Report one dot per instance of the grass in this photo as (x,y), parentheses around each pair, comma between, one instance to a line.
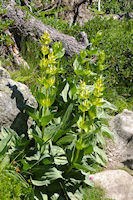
(13,189)
(95,193)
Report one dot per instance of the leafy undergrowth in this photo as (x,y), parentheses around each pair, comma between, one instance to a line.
(11,188)
(95,193)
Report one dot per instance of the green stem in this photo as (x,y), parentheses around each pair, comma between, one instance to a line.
(78,150)
(43,128)
(77,155)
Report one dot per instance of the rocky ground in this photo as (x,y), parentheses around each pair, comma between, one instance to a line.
(114,154)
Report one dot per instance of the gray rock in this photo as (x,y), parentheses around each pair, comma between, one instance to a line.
(84,14)
(3,72)
(118,184)
(13,98)
(122,127)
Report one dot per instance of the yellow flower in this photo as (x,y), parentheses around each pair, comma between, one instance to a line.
(45,39)
(83,91)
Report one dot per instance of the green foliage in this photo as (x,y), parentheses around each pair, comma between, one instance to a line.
(12,188)
(12,185)
(115,6)
(119,101)
(5,38)
(66,141)
(95,193)
(4,24)
(116,43)
(31,53)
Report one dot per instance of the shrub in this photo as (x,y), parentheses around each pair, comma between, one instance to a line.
(115,6)
(66,141)
(116,43)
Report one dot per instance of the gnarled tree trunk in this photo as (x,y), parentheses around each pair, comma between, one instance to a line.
(27,25)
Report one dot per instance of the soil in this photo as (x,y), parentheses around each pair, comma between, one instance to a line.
(114,154)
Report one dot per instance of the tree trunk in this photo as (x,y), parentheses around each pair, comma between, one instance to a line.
(27,25)
(99,5)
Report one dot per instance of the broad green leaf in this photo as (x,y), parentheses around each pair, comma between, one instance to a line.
(83,54)
(4,144)
(50,131)
(40,183)
(53,174)
(44,196)
(60,54)
(64,123)
(76,64)
(59,133)
(55,196)
(98,159)
(47,161)
(34,157)
(34,115)
(83,167)
(49,176)
(66,140)
(59,155)
(60,160)
(46,119)
(76,196)
(64,93)
(72,92)
(26,165)
(38,139)
(100,139)
(5,161)
(67,116)
(89,149)
(86,126)
(105,131)
(101,153)
(106,104)
(101,114)
(92,52)
(58,50)
(78,69)
(92,112)
(5,131)
(35,130)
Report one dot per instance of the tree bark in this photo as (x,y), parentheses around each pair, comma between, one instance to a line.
(28,25)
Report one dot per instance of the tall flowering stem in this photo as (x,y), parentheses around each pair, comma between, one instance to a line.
(48,69)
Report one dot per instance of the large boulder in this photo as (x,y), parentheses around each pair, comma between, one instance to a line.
(4,73)
(13,98)
(118,184)
(122,127)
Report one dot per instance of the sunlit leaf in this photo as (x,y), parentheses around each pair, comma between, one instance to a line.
(64,93)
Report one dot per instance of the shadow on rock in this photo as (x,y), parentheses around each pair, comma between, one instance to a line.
(20,123)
